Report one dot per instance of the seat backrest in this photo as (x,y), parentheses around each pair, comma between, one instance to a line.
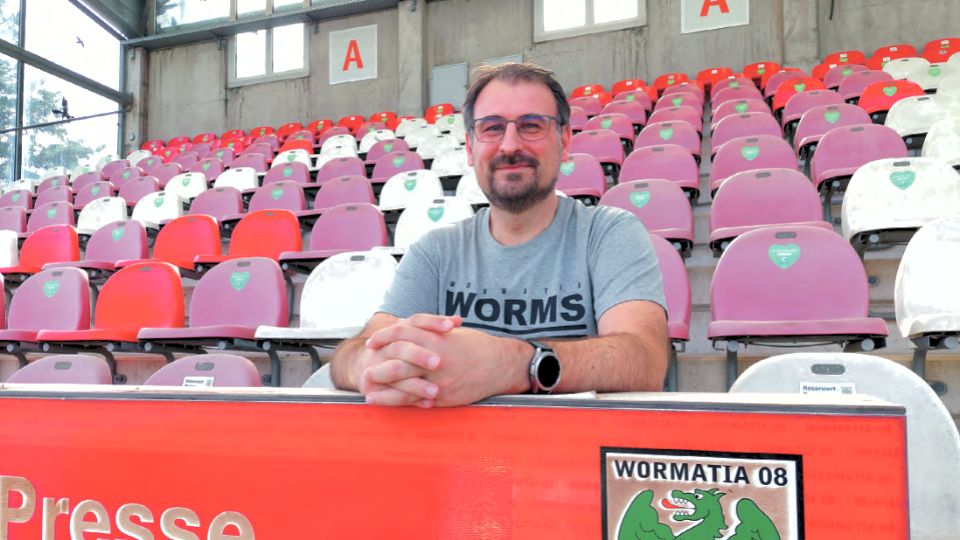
(156,207)
(679,98)
(926,293)
(188,185)
(381,148)
(341,166)
(373,137)
(666,161)
(226,292)
(667,80)
(59,193)
(402,189)
(396,162)
(302,140)
(270,140)
(915,114)
(430,147)
(147,163)
(845,57)
(943,141)
(17,197)
(118,241)
(262,148)
(217,370)
(901,67)
(344,190)
(735,93)
(853,84)
(225,155)
(408,124)
(218,203)
(344,291)
(266,233)
(255,161)
(288,172)
(676,287)
(586,90)
(52,299)
(794,86)
(144,294)
(837,73)
(163,173)
(765,197)
(207,137)
(581,171)
(634,110)
(589,105)
(181,240)
(682,113)
(619,123)
(242,178)
(13,218)
(602,144)
(452,162)
(661,133)
(745,125)
(209,167)
(423,216)
(880,96)
(933,444)
(739,106)
(774,81)
(92,192)
(353,226)
(138,188)
(469,190)
(747,153)
(853,146)
(659,204)
(64,369)
(817,121)
(285,194)
(137,155)
(434,112)
(52,213)
(297,155)
(51,182)
(53,243)
(740,81)
(101,212)
(331,132)
(186,159)
(801,102)
(789,273)
(81,180)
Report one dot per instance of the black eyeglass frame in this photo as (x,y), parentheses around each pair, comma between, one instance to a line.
(548,117)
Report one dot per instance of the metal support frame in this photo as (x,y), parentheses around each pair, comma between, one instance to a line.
(106,349)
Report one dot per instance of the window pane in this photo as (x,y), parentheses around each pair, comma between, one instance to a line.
(251,6)
(8,116)
(64,145)
(613,10)
(176,12)
(288,48)
(563,14)
(284,3)
(73,40)
(10,20)
(251,54)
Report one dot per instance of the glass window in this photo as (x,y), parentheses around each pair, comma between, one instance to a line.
(172,13)
(554,19)
(285,3)
(605,11)
(563,14)
(276,53)
(251,54)
(74,41)
(63,145)
(8,117)
(10,20)
(251,7)
(288,43)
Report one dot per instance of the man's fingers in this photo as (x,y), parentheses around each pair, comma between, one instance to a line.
(393,397)
(434,323)
(419,387)
(401,332)
(391,371)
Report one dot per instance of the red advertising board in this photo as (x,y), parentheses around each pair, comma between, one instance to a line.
(304,465)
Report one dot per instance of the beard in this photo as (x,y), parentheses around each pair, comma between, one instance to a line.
(510,194)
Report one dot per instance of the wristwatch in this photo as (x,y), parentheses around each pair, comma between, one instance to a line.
(544,369)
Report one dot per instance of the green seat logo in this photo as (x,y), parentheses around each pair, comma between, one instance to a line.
(784,256)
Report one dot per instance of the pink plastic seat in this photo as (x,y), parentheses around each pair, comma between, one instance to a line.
(345,166)
(187,159)
(393,163)
(678,114)
(844,149)
(110,244)
(618,123)
(775,81)
(791,285)
(676,291)
(381,148)
(852,85)
(210,168)
(218,203)
(218,370)
(664,162)
(53,182)
(838,73)
(52,213)
(120,177)
(64,369)
(581,177)
(738,106)
(680,99)
(88,178)
(633,110)
(287,195)
(731,82)
(288,172)
(138,188)
(22,198)
(591,106)
(256,161)
(602,144)
(735,94)
(345,227)
(344,190)
(92,192)
(744,125)
(661,206)
(748,153)
(163,173)
(13,218)
(803,102)
(678,133)
(816,122)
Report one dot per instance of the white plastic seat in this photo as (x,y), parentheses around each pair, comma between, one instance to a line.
(9,255)
(336,151)
(418,134)
(469,190)
(373,137)
(189,185)
(954,59)
(949,89)
(422,216)
(927,291)
(137,155)
(339,144)
(321,378)
(297,155)
(402,189)
(155,208)
(899,193)
(929,77)
(452,162)
(451,123)
(338,297)
(933,445)
(914,115)
(943,141)
(24,183)
(433,146)
(104,160)
(100,212)
(407,125)
(900,68)
(80,169)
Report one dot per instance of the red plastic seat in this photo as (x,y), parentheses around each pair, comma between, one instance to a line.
(182,240)
(341,228)
(153,145)
(64,369)
(587,90)
(666,80)
(283,132)
(207,137)
(298,144)
(383,116)
(845,57)
(665,162)
(260,131)
(233,134)
(937,51)
(581,177)
(757,70)
(218,370)
(352,122)
(264,233)
(320,126)
(711,76)
(662,207)
(434,112)
(634,85)
(890,52)
(878,97)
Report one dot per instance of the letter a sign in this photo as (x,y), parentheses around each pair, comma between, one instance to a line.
(353,54)
(700,15)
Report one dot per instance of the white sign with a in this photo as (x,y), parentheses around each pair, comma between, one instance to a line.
(353,54)
(700,15)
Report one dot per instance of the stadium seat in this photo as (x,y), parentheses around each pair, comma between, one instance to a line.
(803,102)
(452,123)
(295,171)
(816,122)
(240,178)
(156,208)
(186,159)
(303,141)
(581,177)
(664,162)
(679,114)
(17,197)
(900,68)
(59,180)
(207,370)
(423,216)
(264,233)
(885,54)
(738,106)
(403,189)
(92,192)
(771,287)
(630,85)
(589,105)
(138,155)
(661,206)
(383,116)
(167,154)
(792,87)
(851,87)
(469,190)
(109,168)
(887,200)
(287,195)
(99,213)
(929,78)
(409,124)
(218,203)
(257,162)
(52,213)
(760,198)
(757,70)
(710,76)
(734,93)
(319,127)
(680,99)
(225,155)
(587,90)
(78,182)
(118,241)
(734,81)
(163,173)
(373,137)
(618,123)
(248,156)
(933,445)
(678,133)
(633,110)
(395,162)
(344,190)
(13,219)
(186,186)
(912,118)
(418,134)
(845,57)
(941,48)
(878,97)
(434,145)
(138,188)
(643,98)
(450,165)
(220,314)
(233,134)
(743,125)
(349,166)
(820,70)
(837,73)
(676,291)
(602,144)
(776,80)
(153,145)
(338,298)
(63,369)
(748,153)
(351,122)
(120,177)
(434,112)
(380,148)
(667,80)
(341,228)
(178,140)
(207,137)
(142,294)
(943,141)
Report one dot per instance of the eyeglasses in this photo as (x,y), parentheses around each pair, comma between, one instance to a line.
(530,127)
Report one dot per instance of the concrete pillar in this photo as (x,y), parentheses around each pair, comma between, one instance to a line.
(137,79)
(800,34)
(412,23)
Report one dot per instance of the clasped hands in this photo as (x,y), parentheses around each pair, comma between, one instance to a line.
(429,360)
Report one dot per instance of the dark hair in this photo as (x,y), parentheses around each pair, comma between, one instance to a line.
(513,72)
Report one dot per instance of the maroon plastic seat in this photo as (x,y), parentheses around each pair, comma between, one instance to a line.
(735,94)
(776,81)
(680,99)
(255,161)
(270,140)
(138,188)
(17,197)
(816,122)
(85,179)
(590,105)
(395,162)
(53,182)
(730,82)
(676,291)
(210,168)
(632,109)
(844,149)
(187,159)
(640,96)
(220,309)
(13,218)
(264,149)
(64,369)
(852,85)
(678,114)
(748,153)
(218,370)
(602,144)
(148,163)
(164,172)
(52,299)
(738,106)
(110,244)
(217,202)
(678,133)
(578,119)
(344,190)
(838,73)
(384,147)
(791,285)
(287,195)
(581,177)
(92,192)
(263,233)
(343,166)
(52,213)
(760,198)
(618,123)
(664,162)
(288,172)
(662,207)
(345,227)
(332,132)
(744,125)
(225,155)
(61,193)
(803,102)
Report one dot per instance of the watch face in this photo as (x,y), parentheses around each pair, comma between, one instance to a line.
(548,370)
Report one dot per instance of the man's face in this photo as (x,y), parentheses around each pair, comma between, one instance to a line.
(515,173)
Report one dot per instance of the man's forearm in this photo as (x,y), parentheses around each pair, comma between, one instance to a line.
(344,359)
(612,363)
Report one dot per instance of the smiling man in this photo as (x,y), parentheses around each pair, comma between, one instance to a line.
(538,293)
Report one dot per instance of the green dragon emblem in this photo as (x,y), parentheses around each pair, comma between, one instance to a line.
(700,507)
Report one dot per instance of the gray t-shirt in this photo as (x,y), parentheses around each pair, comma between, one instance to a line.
(558,284)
